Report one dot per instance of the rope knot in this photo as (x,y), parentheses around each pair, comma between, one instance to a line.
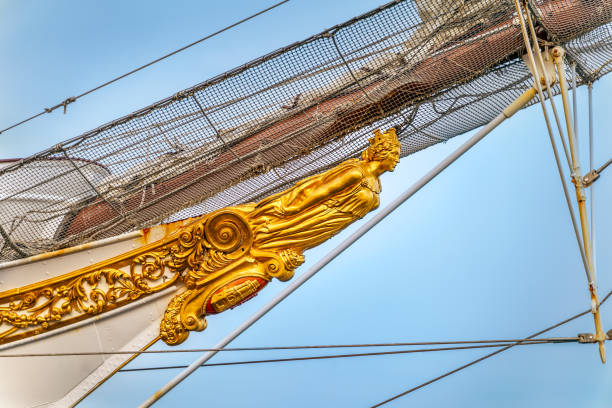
(66,102)
(181,95)
(57,148)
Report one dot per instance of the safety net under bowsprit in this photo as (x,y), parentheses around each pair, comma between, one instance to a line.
(437,68)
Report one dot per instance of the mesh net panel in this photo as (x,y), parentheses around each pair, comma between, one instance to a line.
(438,68)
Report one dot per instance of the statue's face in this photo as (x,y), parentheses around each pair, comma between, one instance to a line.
(389,162)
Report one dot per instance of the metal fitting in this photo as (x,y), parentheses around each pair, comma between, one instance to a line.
(558,52)
(586,338)
(590,177)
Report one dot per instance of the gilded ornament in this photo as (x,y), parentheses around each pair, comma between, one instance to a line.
(230,254)
(81,294)
(223,258)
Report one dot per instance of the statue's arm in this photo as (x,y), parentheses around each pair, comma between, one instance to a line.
(326,187)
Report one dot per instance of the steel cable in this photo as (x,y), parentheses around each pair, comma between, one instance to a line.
(478,360)
(288,359)
(72,99)
(550,133)
(602,168)
(275,348)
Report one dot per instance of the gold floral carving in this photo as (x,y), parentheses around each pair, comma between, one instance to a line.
(70,298)
(223,258)
(215,252)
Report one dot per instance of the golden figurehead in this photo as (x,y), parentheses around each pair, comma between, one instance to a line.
(230,254)
(223,258)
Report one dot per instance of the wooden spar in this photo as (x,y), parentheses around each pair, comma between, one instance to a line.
(442,70)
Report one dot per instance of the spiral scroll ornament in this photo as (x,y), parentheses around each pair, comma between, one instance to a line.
(228,231)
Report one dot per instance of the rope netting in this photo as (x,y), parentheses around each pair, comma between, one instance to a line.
(437,68)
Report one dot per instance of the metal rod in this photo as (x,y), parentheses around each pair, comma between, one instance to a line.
(520,102)
(592,188)
(551,136)
(581,198)
(576,172)
(575,106)
(558,54)
(549,83)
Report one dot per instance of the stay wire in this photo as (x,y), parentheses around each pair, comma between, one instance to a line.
(288,359)
(478,360)
(552,138)
(602,168)
(277,348)
(549,82)
(72,99)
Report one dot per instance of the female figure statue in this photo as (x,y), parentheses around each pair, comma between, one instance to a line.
(318,207)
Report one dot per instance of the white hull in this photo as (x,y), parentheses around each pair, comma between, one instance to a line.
(63,381)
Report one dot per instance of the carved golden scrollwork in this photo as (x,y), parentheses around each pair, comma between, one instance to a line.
(73,297)
(242,248)
(222,254)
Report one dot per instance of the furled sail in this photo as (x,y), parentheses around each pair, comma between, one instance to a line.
(437,68)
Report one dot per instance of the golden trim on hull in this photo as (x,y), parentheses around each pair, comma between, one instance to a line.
(223,258)
(68,299)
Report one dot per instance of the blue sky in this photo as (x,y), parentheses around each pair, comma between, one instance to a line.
(484,251)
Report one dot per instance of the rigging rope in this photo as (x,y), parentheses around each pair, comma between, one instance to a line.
(280,360)
(591,176)
(602,168)
(478,360)
(72,99)
(549,81)
(273,348)
(549,128)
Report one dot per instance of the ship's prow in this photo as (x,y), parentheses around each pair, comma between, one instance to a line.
(67,301)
